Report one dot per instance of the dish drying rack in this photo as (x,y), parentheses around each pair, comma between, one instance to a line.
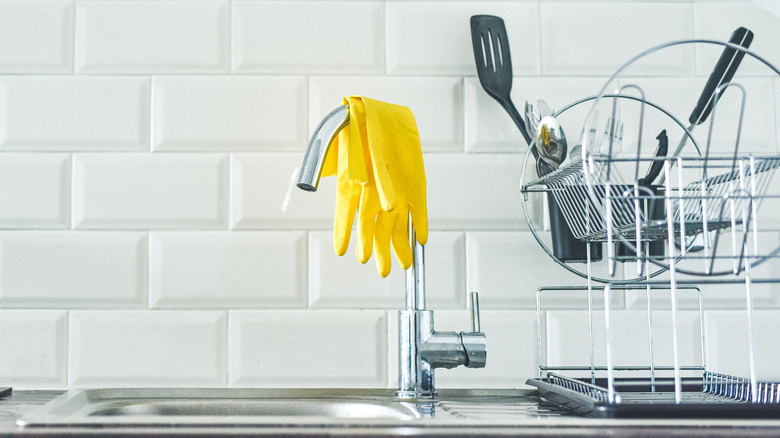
(700,225)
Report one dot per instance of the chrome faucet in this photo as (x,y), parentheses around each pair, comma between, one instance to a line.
(421,349)
(326,132)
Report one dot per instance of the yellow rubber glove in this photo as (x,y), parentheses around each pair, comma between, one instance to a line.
(346,160)
(399,173)
(378,161)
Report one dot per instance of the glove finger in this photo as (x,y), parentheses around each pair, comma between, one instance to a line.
(384,226)
(368,208)
(419,212)
(401,247)
(347,198)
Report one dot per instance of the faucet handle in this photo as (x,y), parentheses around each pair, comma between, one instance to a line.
(475,325)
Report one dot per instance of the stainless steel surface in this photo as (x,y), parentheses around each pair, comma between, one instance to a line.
(532,117)
(267,407)
(422,349)
(311,169)
(551,141)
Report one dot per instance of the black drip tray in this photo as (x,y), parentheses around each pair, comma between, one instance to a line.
(641,398)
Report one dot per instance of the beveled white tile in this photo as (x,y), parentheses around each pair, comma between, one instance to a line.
(511,349)
(152,37)
(508,268)
(35,191)
(474,191)
(311,37)
(73,269)
(228,113)
(731,293)
(71,113)
(147,348)
(728,343)
(488,127)
(679,97)
(227,269)
(35,344)
(36,36)
(567,340)
(309,348)
(615,33)
(445,46)
(264,194)
(343,282)
(437,104)
(716,21)
(132,191)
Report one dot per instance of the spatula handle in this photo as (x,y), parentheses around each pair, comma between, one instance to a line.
(724,71)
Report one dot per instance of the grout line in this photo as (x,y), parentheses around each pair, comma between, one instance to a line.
(230,38)
(67,353)
(540,36)
(73,22)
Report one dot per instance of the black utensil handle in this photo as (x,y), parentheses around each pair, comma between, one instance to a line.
(660,152)
(724,70)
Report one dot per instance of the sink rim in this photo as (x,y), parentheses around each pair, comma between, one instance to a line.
(73,408)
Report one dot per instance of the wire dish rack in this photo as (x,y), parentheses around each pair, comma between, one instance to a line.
(701,223)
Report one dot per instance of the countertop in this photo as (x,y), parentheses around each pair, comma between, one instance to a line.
(22,402)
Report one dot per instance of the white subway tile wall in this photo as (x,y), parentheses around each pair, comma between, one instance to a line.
(151,233)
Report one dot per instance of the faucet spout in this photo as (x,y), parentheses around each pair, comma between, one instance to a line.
(311,169)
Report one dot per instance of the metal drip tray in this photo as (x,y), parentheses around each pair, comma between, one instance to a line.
(715,396)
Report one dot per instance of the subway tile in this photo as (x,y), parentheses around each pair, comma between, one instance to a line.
(73,269)
(445,47)
(488,127)
(717,21)
(342,282)
(67,113)
(728,345)
(152,37)
(264,194)
(34,345)
(567,342)
(508,268)
(678,96)
(311,37)
(511,347)
(36,36)
(474,191)
(437,103)
(131,191)
(228,113)
(337,348)
(227,269)
(34,191)
(147,348)
(615,32)
(732,292)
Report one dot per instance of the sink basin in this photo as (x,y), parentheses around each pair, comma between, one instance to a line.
(269,407)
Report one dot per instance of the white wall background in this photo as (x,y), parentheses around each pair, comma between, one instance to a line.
(149,234)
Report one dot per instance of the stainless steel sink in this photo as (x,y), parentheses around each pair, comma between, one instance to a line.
(268,407)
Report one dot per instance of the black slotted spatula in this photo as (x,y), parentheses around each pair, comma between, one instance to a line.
(494,66)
